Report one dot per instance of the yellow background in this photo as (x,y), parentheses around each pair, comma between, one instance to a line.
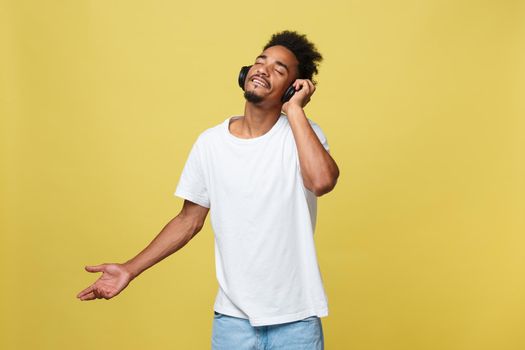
(421,244)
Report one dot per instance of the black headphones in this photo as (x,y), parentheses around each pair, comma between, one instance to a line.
(242,78)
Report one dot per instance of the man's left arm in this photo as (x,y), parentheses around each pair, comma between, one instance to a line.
(318,168)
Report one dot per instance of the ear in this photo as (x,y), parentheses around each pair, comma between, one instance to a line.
(242,75)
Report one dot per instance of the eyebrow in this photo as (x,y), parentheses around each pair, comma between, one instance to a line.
(279,63)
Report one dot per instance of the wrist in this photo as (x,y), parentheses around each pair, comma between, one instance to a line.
(292,109)
(130,269)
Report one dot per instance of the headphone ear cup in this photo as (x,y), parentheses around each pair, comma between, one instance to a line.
(288,94)
(242,76)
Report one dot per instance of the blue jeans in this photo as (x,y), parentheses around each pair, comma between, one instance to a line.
(233,333)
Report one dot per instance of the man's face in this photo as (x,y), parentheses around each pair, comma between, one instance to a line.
(274,70)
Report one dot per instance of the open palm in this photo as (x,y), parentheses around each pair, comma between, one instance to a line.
(113,280)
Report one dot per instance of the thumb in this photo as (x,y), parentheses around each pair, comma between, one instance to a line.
(96,268)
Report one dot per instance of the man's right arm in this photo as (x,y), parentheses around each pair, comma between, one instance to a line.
(179,231)
(175,235)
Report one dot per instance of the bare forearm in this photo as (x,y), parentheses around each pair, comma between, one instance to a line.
(320,172)
(173,237)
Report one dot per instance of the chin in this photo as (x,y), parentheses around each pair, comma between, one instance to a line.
(252,97)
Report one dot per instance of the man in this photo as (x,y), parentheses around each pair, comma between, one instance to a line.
(260,174)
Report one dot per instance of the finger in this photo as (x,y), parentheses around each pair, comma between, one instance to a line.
(303,86)
(102,293)
(85,291)
(89,296)
(311,85)
(298,84)
(96,268)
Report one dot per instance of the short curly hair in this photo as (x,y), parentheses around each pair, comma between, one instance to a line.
(304,50)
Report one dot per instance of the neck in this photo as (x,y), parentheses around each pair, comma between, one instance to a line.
(258,120)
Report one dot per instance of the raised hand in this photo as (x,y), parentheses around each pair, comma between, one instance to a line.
(304,89)
(114,279)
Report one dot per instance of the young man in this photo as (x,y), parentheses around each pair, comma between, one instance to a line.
(260,174)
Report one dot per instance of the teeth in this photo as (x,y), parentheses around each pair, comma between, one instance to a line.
(259,82)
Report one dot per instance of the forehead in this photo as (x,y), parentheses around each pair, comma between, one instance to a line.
(281,53)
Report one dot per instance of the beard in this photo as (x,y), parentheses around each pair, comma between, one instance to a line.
(250,96)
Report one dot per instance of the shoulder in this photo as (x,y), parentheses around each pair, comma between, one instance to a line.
(313,124)
(210,134)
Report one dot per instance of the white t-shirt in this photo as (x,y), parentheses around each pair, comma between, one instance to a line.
(263,220)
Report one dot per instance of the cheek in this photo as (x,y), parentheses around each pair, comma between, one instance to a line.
(288,83)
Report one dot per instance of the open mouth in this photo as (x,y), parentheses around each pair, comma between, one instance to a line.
(260,82)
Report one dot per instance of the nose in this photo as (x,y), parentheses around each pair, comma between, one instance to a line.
(261,69)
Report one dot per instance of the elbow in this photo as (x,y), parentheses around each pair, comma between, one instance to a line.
(190,226)
(324,183)
(196,228)
(323,188)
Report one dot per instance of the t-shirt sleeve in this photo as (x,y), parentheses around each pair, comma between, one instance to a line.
(192,185)
(320,135)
